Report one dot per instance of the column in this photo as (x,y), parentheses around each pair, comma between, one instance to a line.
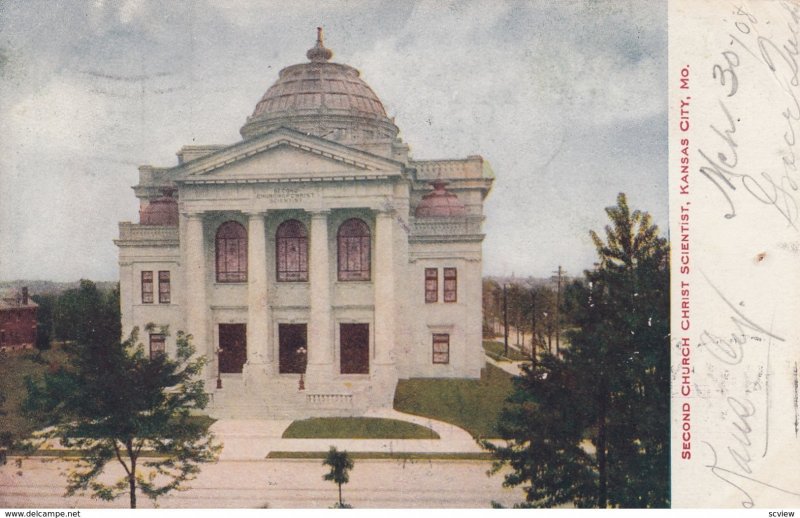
(320,344)
(384,288)
(258,351)
(196,305)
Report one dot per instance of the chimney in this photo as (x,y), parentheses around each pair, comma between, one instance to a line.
(24,295)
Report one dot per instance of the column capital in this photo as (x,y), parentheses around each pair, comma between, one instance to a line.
(255,213)
(193,214)
(319,213)
(385,212)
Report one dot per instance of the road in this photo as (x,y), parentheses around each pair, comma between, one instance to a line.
(282,484)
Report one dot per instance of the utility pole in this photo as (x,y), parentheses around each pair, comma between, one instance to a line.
(558,313)
(533,326)
(505,320)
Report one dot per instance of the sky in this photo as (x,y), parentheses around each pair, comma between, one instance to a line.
(566,100)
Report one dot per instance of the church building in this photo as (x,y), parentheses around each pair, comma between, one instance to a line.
(314,262)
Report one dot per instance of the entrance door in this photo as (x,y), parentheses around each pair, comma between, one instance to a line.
(233,342)
(354,348)
(292,355)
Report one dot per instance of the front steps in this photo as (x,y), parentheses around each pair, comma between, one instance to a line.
(283,399)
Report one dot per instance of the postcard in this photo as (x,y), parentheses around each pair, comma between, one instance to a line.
(399,254)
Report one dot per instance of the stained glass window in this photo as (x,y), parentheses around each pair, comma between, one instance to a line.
(354,251)
(292,251)
(231,247)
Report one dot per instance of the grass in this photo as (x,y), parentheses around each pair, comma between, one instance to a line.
(495,350)
(356,428)
(381,455)
(473,405)
(15,366)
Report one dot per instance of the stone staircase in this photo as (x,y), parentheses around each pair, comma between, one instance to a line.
(281,399)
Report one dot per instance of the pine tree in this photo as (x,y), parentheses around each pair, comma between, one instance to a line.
(592,428)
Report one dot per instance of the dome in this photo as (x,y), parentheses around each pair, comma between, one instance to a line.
(161,211)
(440,203)
(326,99)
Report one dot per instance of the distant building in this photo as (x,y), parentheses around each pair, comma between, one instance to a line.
(17,321)
(314,249)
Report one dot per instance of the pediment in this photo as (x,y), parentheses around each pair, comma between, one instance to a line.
(284,155)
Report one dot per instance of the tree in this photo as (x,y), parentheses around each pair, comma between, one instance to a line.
(340,464)
(114,402)
(86,314)
(591,428)
(44,319)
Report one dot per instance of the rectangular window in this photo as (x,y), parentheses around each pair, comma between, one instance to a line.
(158,345)
(147,287)
(450,285)
(163,287)
(431,285)
(441,348)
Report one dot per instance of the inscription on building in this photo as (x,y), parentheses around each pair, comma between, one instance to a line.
(287,195)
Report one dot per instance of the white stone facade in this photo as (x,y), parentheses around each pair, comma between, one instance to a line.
(351,338)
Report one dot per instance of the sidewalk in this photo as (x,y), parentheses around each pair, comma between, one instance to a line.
(512,368)
(254,439)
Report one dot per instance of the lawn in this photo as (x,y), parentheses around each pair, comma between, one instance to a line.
(382,455)
(495,350)
(474,405)
(356,428)
(15,366)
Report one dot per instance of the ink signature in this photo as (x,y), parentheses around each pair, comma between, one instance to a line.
(744,411)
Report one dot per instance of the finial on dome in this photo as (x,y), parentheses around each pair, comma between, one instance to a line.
(319,54)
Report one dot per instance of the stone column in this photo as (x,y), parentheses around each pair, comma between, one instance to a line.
(196,304)
(384,289)
(320,343)
(257,303)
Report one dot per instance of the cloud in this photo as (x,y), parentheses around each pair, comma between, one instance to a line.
(554,94)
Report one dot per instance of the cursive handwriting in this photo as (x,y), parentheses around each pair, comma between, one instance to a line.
(744,411)
(776,188)
(735,479)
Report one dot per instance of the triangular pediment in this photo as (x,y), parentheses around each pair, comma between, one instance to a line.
(287,154)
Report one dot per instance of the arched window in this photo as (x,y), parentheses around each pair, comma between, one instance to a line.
(231,248)
(354,258)
(292,252)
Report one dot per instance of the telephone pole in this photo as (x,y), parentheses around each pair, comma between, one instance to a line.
(505,320)
(558,312)
(533,326)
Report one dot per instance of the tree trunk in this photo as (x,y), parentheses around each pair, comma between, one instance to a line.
(602,490)
(132,484)
(132,473)
(340,495)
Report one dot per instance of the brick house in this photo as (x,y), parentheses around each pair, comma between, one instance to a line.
(17,321)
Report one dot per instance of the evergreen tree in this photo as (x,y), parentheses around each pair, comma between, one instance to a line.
(115,403)
(592,428)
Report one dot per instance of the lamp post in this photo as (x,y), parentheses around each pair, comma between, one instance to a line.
(301,351)
(219,369)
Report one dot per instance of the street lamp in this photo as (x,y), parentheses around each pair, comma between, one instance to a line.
(219,368)
(301,351)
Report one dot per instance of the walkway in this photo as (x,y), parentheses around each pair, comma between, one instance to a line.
(246,439)
(513,368)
